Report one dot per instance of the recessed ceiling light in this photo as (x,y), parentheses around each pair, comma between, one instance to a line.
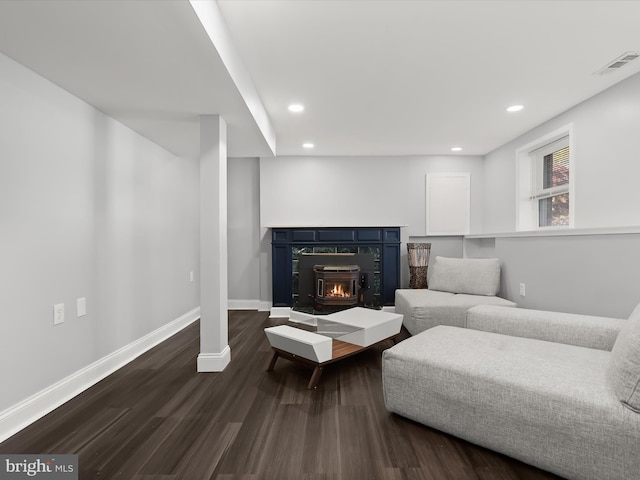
(296,108)
(456,149)
(308,145)
(515,108)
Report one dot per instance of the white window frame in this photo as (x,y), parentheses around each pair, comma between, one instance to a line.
(529,179)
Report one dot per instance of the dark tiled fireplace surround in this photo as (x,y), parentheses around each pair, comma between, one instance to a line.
(380,244)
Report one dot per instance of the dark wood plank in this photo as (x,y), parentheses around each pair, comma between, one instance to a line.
(158,419)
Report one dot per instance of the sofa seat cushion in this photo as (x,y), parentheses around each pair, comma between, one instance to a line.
(424,309)
(624,370)
(545,403)
(573,329)
(475,276)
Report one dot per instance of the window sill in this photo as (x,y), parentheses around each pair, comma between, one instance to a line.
(561,232)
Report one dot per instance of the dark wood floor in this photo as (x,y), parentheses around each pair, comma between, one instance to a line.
(157,418)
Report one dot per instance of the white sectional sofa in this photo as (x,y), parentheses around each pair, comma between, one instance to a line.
(455,285)
(558,391)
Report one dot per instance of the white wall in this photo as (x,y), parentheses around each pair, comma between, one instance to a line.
(594,274)
(359,191)
(607,155)
(591,274)
(333,191)
(243,220)
(88,208)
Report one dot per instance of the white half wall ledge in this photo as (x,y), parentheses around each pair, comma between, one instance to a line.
(24,413)
(561,232)
(214,362)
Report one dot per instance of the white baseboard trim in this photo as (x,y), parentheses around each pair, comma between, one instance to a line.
(280,312)
(22,414)
(264,306)
(214,362)
(258,305)
(243,304)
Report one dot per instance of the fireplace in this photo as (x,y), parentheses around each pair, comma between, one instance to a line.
(329,282)
(336,286)
(295,250)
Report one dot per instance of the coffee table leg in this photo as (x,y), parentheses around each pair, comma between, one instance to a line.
(272,364)
(315,378)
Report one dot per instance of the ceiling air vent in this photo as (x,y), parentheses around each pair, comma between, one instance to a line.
(619,62)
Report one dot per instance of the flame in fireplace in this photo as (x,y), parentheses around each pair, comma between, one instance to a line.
(337,291)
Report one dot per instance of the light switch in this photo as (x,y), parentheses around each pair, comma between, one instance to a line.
(81,304)
(58,314)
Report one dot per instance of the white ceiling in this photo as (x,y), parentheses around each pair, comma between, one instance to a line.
(146,63)
(381,77)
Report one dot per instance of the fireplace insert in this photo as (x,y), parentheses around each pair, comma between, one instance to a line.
(305,282)
(336,286)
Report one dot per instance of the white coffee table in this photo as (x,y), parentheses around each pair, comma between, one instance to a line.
(338,335)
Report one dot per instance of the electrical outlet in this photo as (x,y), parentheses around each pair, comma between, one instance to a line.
(58,314)
(191,276)
(81,306)
(522,290)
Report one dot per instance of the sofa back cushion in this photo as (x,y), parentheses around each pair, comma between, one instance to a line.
(624,366)
(474,276)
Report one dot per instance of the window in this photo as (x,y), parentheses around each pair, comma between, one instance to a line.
(551,189)
(545,188)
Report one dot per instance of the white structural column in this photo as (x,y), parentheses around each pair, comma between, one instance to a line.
(215,354)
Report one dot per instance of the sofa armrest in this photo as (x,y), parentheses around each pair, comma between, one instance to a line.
(569,328)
